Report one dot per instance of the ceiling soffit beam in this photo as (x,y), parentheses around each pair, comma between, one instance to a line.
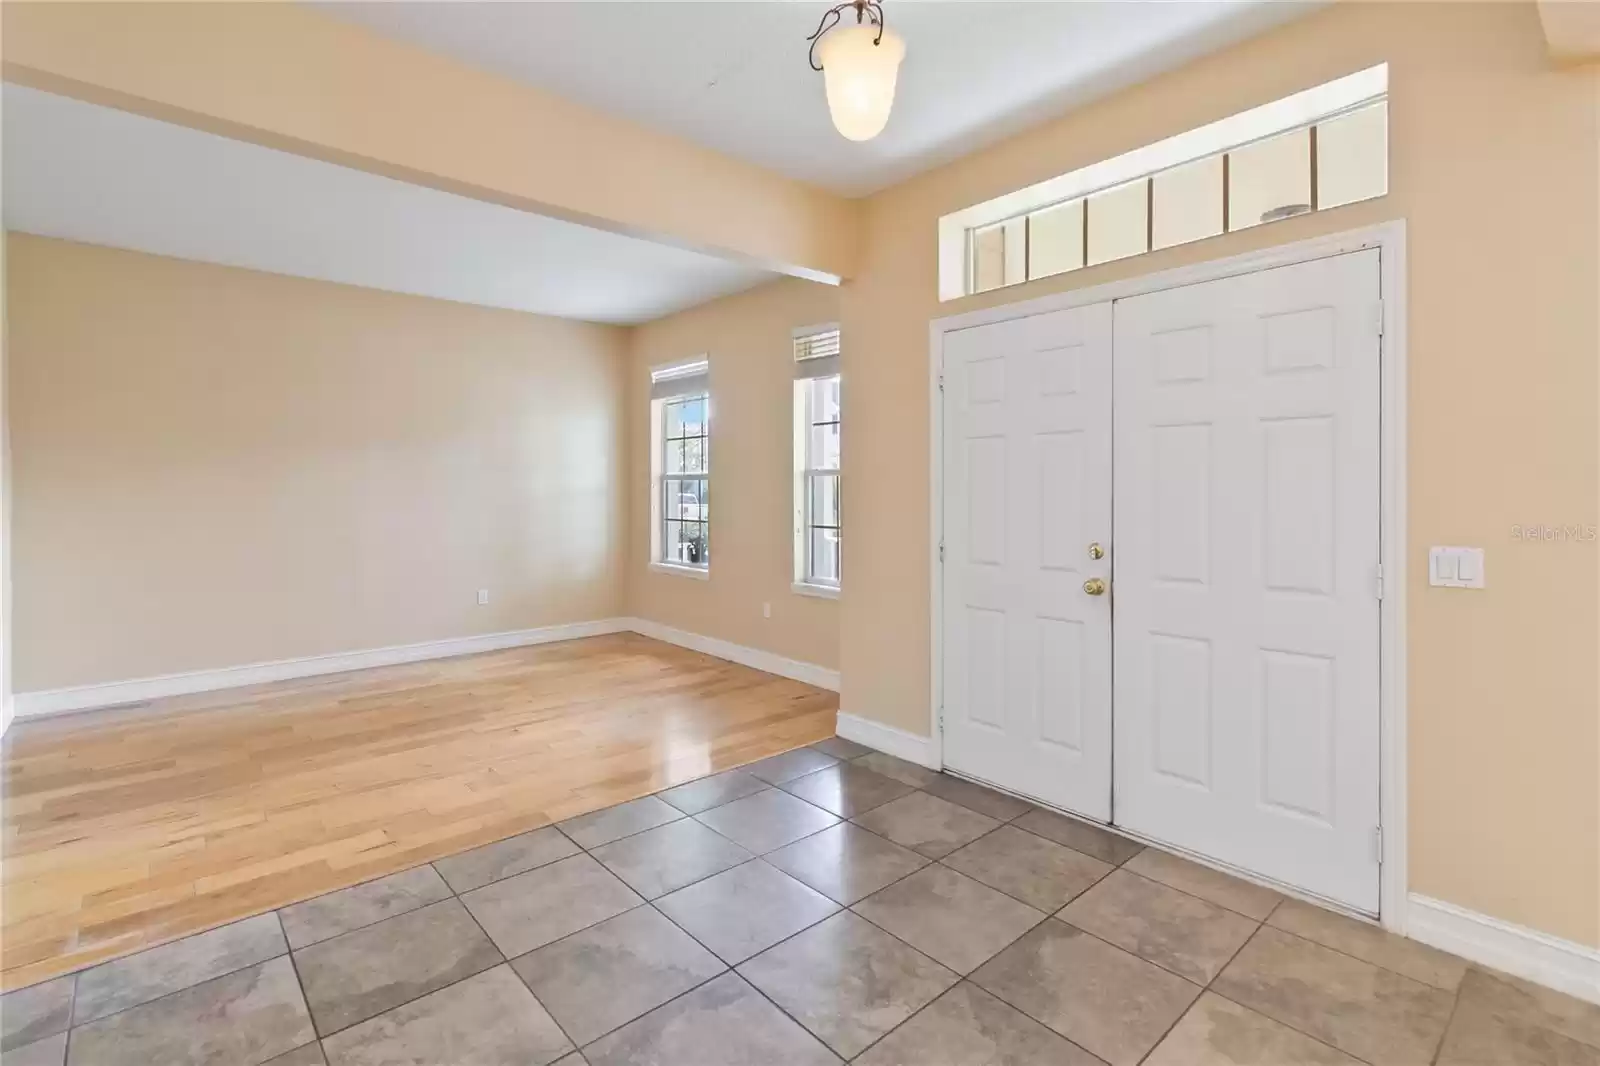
(1572,29)
(286,77)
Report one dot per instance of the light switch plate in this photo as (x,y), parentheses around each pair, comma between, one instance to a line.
(1455,568)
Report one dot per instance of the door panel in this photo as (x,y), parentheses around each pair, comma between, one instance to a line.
(1027,487)
(1247,522)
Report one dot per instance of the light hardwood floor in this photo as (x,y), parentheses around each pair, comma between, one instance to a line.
(128,828)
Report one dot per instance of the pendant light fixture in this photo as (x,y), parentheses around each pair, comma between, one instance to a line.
(859,65)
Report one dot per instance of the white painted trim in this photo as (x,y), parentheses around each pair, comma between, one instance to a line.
(117,693)
(1394,885)
(821,592)
(699,366)
(908,746)
(755,658)
(936,332)
(699,573)
(8,713)
(801,332)
(114,693)
(1527,953)
(1390,239)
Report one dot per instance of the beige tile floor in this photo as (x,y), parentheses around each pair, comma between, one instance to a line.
(825,905)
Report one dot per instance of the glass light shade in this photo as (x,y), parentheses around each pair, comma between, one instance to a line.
(860,78)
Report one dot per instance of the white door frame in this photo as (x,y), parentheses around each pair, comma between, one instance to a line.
(1390,239)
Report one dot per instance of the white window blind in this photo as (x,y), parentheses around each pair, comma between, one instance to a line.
(816,352)
(690,378)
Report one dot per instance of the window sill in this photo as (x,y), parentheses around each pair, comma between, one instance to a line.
(699,573)
(823,592)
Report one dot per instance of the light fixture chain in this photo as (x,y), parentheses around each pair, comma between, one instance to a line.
(866,11)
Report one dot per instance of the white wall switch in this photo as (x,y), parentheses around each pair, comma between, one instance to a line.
(766,610)
(1455,568)
(483,597)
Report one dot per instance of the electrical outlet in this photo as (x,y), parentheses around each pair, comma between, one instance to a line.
(766,610)
(483,597)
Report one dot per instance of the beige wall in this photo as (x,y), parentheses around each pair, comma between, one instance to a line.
(1494,169)
(216,467)
(748,338)
(293,78)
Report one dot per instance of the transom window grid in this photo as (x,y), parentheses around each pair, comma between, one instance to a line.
(1320,148)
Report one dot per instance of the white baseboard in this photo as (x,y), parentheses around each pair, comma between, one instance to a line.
(1526,953)
(115,693)
(887,739)
(755,658)
(7,713)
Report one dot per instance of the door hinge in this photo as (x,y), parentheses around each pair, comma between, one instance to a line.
(941,551)
(1377,844)
(1378,311)
(941,382)
(1379,581)
(941,721)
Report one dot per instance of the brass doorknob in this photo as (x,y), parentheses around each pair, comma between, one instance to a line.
(1095,587)
(1095,551)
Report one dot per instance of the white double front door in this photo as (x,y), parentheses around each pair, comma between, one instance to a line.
(1217,447)
(1027,467)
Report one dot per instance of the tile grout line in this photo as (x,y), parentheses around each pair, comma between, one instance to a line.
(74,972)
(1298,1032)
(1244,1006)
(839,909)
(967,977)
(305,1001)
(960,977)
(1185,892)
(1455,1008)
(523,981)
(1048,914)
(762,856)
(363,884)
(450,984)
(1454,1003)
(731,969)
(494,843)
(1376,965)
(504,960)
(650,903)
(967,980)
(589,852)
(74,1025)
(1259,924)
(550,824)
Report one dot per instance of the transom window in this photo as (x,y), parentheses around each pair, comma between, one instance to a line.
(1320,148)
(818,522)
(681,465)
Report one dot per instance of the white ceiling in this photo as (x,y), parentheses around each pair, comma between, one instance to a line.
(733,76)
(87,173)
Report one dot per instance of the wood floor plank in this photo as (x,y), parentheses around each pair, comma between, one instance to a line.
(130,827)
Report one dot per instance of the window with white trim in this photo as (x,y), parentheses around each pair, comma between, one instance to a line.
(1320,148)
(680,466)
(818,563)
